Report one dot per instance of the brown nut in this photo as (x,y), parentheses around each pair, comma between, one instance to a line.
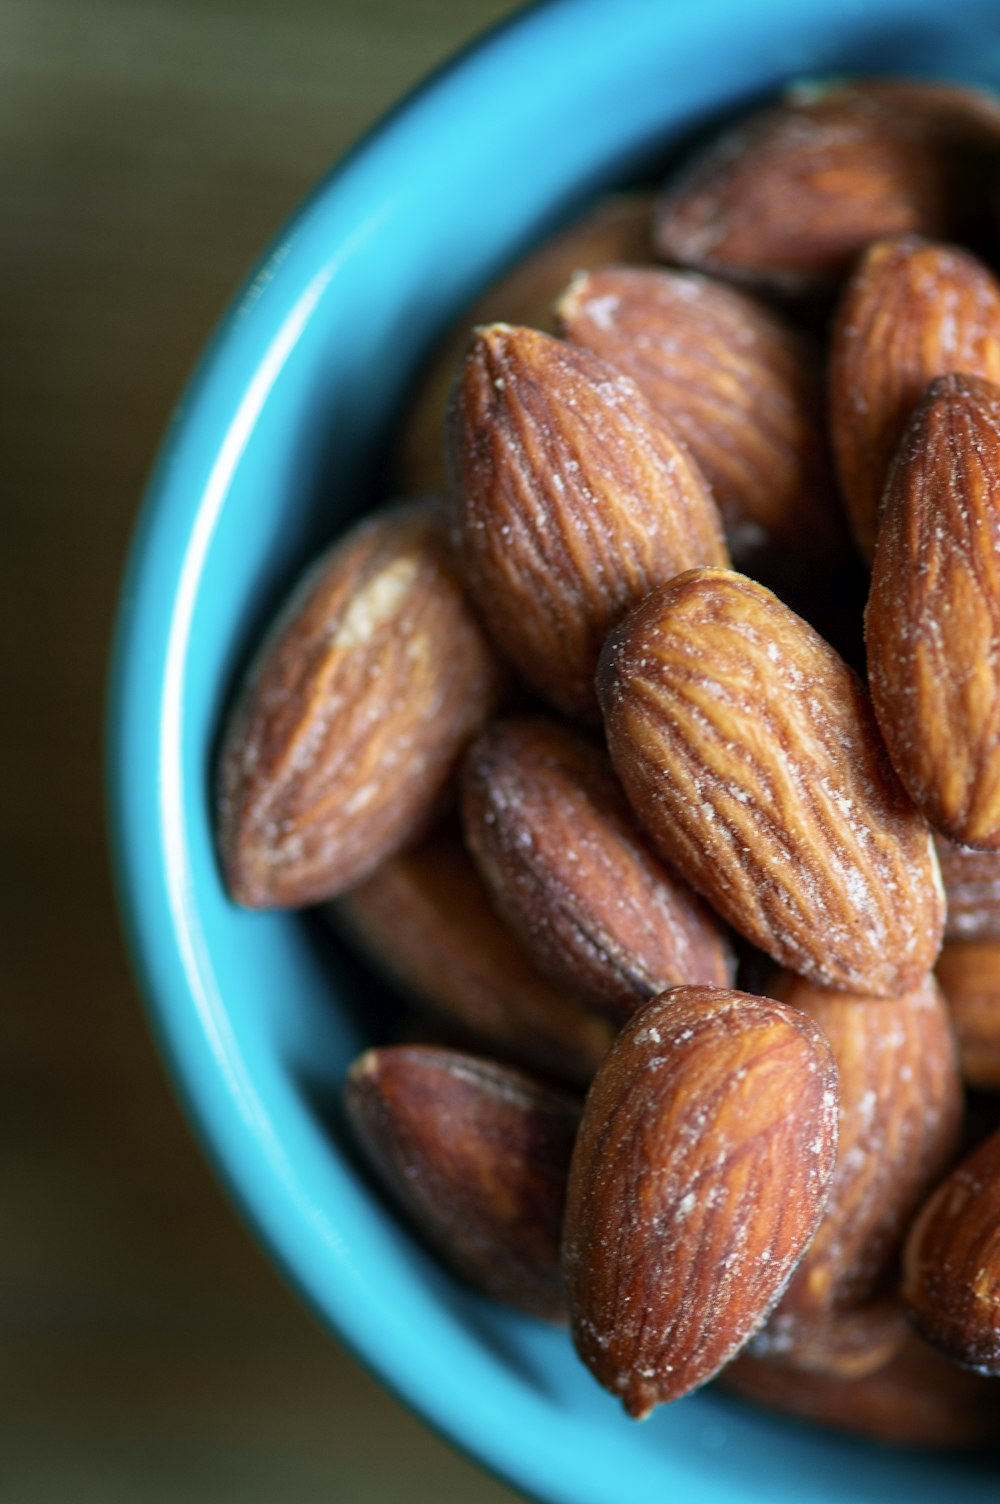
(972,888)
(969,974)
(842,1342)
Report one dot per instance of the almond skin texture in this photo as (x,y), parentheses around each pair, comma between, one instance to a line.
(570,502)
(569,870)
(424,920)
(900,1116)
(969,974)
(477,1155)
(749,751)
(843,1343)
(932,623)
(951,1265)
(972,888)
(786,199)
(699,1175)
(353,716)
(911,311)
(739,386)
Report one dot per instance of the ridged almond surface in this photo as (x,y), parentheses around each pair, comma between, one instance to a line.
(477,1155)
(424,920)
(972,888)
(699,1175)
(574,876)
(571,501)
(969,974)
(932,623)
(739,386)
(749,751)
(912,310)
(951,1264)
(787,198)
(353,716)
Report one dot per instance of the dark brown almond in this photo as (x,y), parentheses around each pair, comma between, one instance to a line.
(570,502)
(569,870)
(972,888)
(787,198)
(951,1264)
(749,751)
(616,228)
(846,1343)
(699,1175)
(423,919)
(477,1155)
(911,311)
(969,974)
(740,387)
(353,716)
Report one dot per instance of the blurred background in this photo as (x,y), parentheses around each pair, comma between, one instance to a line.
(148,151)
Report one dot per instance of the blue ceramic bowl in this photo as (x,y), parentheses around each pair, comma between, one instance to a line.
(272,450)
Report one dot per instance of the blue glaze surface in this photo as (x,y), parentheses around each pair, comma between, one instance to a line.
(271,451)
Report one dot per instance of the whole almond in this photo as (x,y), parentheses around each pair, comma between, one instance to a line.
(699,1175)
(353,716)
(932,623)
(911,311)
(843,1342)
(570,871)
(787,198)
(570,502)
(951,1265)
(969,974)
(424,920)
(749,751)
(477,1155)
(972,888)
(739,386)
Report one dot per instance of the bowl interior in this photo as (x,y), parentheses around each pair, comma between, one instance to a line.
(277,443)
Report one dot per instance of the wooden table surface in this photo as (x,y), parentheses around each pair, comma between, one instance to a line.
(148,1351)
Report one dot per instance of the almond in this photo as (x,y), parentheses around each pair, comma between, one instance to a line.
(969,974)
(972,888)
(845,1343)
(353,716)
(951,1266)
(424,920)
(570,502)
(748,750)
(699,1175)
(477,1155)
(911,311)
(739,386)
(787,198)
(570,871)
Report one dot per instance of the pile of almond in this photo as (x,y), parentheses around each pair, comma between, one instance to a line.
(557,753)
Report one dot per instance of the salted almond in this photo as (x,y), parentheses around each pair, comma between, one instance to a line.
(570,502)
(951,1263)
(969,974)
(477,1155)
(932,623)
(912,311)
(616,228)
(972,888)
(699,1175)
(787,198)
(739,386)
(424,920)
(353,716)
(843,1342)
(749,752)
(572,874)
(900,1116)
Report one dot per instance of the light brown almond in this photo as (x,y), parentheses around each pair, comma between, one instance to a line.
(749,751)
(699,1175)
(972,888)
(969,974)
(570,502)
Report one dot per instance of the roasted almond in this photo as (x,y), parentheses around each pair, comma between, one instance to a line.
(787,198)
(969,974)
(570,502)
(699,1175)
(749,752)
(972,888)
(932,623)
(951,1265)
(911,311)
(843,1342)
(353,716)
(477,1155)
(572,874)
(740,387)
(424,920)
